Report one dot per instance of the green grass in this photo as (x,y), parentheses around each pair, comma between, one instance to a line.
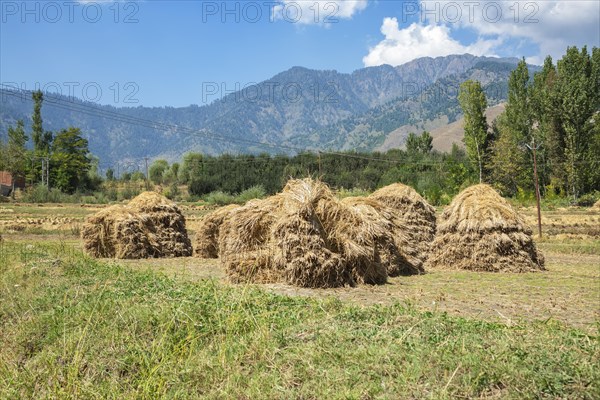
(75,327)
(570,246)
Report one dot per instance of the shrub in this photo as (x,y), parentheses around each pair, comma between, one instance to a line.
(254,192)
(41,194)
(201,187)
(128,193)
(219,198)
(588,200)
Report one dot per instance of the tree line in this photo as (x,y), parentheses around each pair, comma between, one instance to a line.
(555,112)
(554,115)
(58,159)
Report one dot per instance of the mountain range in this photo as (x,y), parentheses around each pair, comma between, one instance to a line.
(299,109)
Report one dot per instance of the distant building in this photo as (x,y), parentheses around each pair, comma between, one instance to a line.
(6,183)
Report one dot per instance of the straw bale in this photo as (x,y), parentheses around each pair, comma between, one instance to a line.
(207,235)
(150,226)
(480,231)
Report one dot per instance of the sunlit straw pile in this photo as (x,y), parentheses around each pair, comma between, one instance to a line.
(246,246)
(149,226)
(305,236)
(414,225)
(397,247)
(480,231)
(207,234)
(597,205)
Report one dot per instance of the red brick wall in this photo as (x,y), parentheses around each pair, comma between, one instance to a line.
(5,178)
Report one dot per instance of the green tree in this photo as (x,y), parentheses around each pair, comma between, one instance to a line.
(191,167)
(3,155)
(506,161)
(578,91)
(511,163)
(157,171)
(37,130)
(126,176)
(474,103)
(138,176)
(42,140)
(426,142)
(70,161)
(518,107)
(110,174)
(546,124)
(16,152)
(412,143)
(171,175)
(419,144)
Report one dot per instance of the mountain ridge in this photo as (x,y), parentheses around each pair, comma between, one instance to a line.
(297,108)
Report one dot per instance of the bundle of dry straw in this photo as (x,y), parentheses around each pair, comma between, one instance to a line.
(414,224)
(480,231)
(207,234)
(245,242)
(305,236)
(149,226)
(597,205)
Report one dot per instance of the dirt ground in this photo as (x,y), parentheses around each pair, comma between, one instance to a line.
(569,291)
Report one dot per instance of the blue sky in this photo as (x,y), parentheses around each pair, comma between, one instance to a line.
(162,53)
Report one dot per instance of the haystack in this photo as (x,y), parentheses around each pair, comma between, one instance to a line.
(395,243)
(149,226)
(480,231)
(246,248)
(414,222)
(597,205)
(305,236)
(311,233)
(207,235)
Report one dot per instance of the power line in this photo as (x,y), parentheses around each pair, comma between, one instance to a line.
(119,117)
(96,111)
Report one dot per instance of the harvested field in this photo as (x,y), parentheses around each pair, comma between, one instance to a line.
(568,291)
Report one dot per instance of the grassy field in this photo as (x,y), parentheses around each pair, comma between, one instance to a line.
(81,328)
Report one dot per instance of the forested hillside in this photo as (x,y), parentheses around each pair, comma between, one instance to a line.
(296,109)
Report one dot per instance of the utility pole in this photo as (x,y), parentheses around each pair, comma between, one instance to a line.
(534,149)
(147,177)
(45,169)
(320,173)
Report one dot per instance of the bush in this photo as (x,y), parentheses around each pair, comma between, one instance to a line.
(254,192)
(588,200)
(524,197)
(128,193)
(112,194)
(41,194)
(219,198)
(201,187)
(172,192)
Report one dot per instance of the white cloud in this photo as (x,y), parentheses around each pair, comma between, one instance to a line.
(544,26)
(418,40)
(320,12)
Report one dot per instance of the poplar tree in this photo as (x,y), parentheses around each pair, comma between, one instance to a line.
(474,103)
(16,153)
